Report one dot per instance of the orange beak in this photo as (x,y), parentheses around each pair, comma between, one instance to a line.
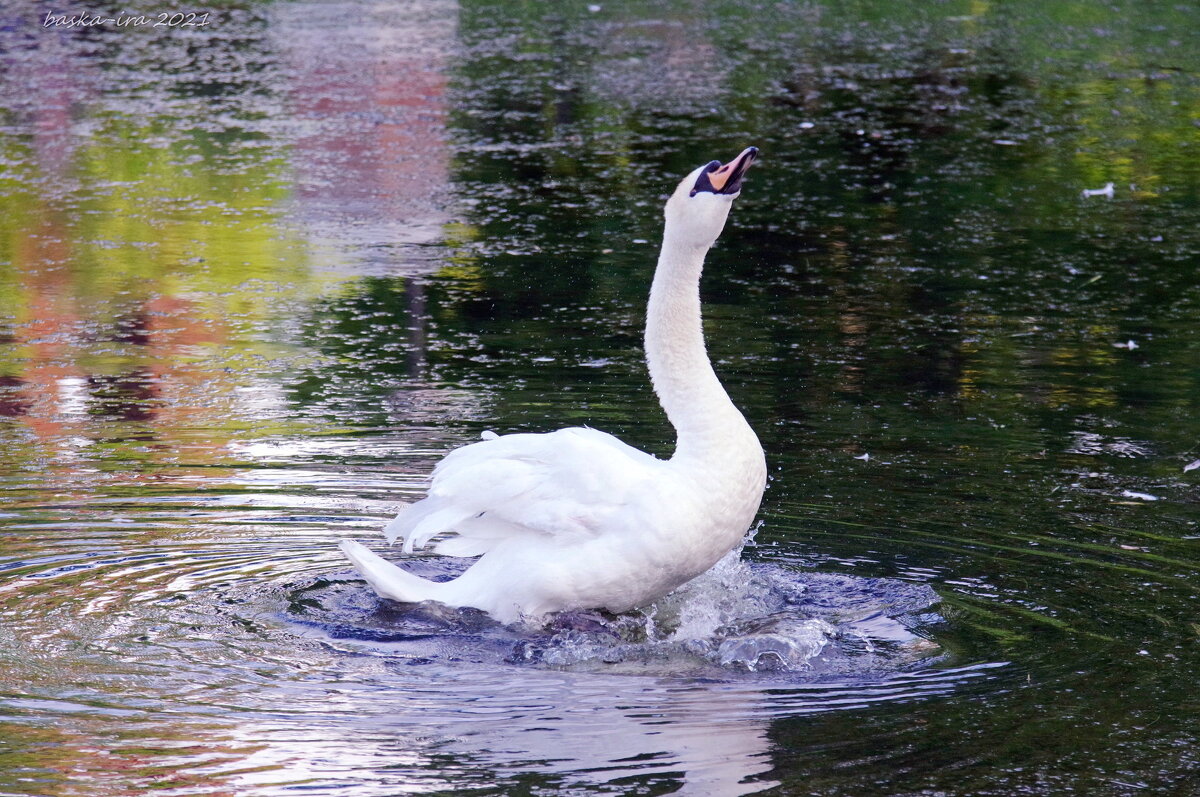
(727,179)
(733,171)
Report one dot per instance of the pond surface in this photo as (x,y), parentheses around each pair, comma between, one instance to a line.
(257,276)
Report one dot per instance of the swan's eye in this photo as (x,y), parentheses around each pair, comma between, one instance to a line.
(703,183)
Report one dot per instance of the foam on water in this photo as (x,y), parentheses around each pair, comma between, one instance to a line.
(740,617)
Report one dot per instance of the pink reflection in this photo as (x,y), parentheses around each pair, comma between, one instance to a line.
(368,100)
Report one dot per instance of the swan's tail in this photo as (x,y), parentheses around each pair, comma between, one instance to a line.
(387,579)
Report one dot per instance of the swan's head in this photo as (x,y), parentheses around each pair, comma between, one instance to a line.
(696,212)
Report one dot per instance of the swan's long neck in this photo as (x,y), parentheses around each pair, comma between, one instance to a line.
(705,420)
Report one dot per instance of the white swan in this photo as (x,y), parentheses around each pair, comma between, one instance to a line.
(576,519)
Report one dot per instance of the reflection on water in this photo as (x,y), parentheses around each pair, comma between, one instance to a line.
(256,278)
(366,123)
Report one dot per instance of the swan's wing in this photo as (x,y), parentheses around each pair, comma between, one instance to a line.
(562,484)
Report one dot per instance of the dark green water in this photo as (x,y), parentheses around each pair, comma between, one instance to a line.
(257,276)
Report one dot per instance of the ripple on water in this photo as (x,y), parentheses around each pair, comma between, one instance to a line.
(228,616)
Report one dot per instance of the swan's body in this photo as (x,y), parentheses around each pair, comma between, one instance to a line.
(576,519)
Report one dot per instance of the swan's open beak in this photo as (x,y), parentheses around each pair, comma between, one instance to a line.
(726,179)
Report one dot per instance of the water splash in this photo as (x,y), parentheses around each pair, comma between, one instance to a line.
(738,618)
